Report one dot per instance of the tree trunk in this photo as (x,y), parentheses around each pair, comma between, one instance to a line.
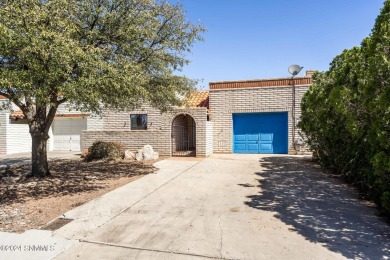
(40,167)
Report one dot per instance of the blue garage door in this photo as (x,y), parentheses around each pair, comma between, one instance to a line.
(260,133)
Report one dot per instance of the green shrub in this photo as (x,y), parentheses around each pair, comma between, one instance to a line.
(346,115)
(385,201)
(104,150)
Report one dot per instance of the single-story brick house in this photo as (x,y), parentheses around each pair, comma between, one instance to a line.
(250,116)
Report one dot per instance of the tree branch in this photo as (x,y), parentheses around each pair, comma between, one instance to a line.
(50,117)
(12,97)
(160,40)
(59,102)
(96,17)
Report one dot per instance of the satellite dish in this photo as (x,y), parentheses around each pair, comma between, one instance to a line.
(294,69)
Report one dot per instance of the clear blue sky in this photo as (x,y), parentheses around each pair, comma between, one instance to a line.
(251,39)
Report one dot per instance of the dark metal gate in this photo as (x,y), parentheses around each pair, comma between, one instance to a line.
(183,136)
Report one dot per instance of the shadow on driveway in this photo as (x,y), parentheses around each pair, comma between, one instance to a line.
(320,208)
(9,161)
(25,158)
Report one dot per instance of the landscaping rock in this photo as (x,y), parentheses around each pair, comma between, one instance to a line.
(146,153)
(129,155)
(84,153)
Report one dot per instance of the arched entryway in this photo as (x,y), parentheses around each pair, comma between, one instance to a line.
(183,136)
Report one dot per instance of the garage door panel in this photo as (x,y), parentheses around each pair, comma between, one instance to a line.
(75,143)
(67,133)
(253,137)
(241,147)
(266,137)
(240,137)
(266,148)
(263,132)
(253,147)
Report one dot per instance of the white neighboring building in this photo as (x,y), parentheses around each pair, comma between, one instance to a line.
(65,132)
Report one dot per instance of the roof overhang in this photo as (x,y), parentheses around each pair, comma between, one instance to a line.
(261,83)
(18,114)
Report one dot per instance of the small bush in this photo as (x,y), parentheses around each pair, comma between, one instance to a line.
(104,150)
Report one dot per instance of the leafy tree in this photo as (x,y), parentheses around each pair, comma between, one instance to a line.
(346,113)
(89,53)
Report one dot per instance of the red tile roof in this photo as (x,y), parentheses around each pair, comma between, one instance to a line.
(261,83)
(18,114)
(198,98)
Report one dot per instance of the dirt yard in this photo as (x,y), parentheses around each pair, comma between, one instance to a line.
(30,203)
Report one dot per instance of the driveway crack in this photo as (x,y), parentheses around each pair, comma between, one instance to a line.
(221,237)
(170,252)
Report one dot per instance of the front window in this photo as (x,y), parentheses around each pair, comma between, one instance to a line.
(139,122)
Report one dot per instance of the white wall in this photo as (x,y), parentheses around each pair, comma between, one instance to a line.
(3,127)
(18,137)
(50,142)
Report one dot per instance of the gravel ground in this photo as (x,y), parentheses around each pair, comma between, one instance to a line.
(30,203)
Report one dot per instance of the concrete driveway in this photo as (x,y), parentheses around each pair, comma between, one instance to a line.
(228,207)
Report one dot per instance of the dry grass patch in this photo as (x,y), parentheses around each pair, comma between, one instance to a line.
(27,203)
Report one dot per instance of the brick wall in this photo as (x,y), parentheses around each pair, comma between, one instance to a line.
(225,102)
(120,120)
(116,127)
(94,122)
(132,140)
